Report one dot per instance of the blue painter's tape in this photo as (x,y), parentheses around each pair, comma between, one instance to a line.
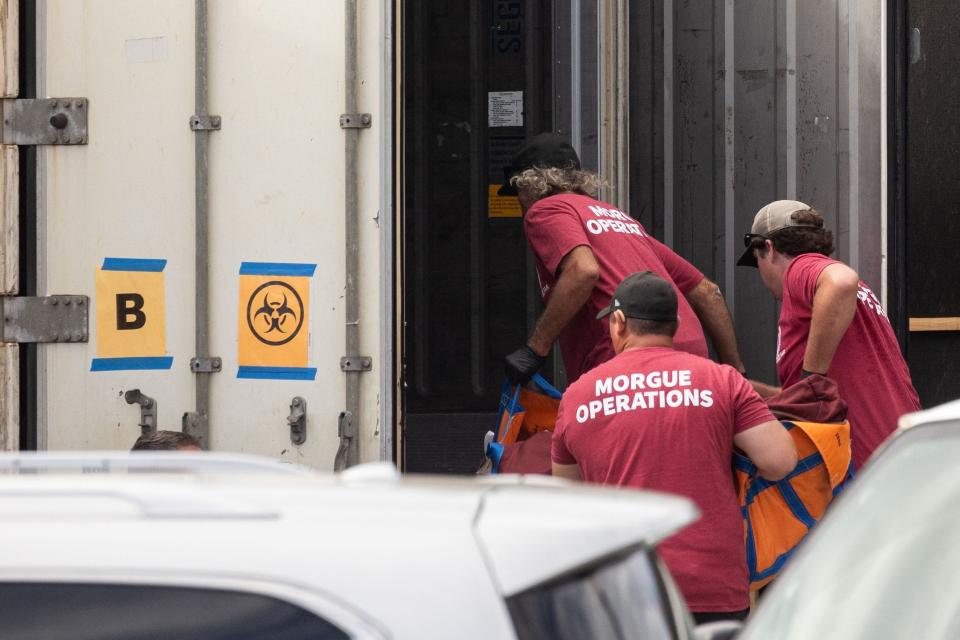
(134,264)
(131,364)
(277,269)
(277,373)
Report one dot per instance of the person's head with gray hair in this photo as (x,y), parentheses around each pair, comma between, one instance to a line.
(166,441)
(545,166)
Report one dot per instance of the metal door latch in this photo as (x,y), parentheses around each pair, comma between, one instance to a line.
(297,420)
(148,410)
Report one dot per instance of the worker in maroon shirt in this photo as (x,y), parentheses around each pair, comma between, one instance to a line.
(657,418)
(583,249)
(831,323)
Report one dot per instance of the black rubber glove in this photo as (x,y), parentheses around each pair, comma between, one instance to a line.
(522,364)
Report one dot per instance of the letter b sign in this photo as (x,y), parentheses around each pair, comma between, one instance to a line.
(130,313)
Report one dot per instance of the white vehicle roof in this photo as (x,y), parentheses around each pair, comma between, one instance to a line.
(942,413)
(372,540)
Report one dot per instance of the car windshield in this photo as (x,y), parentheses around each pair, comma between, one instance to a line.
(884,563)
(620,600)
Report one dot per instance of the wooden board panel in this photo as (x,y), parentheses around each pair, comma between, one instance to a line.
(934,324)
(9,219)
(10,34)
(9,397)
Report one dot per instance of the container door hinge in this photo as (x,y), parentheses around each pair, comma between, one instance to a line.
(356,120)
(45,121)
(45,319)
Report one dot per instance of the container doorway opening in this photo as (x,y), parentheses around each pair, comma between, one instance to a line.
(478,80)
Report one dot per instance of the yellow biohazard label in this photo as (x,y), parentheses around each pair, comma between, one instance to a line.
(131,315)
(273,321)
(502,206)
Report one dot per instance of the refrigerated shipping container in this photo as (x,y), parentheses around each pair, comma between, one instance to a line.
(274,223)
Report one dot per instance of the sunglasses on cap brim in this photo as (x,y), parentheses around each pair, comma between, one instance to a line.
(749,237)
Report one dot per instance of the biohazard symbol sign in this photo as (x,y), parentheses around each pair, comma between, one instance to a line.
(275,313)
(273,335)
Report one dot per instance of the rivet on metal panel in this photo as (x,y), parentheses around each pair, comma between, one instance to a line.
(54,301)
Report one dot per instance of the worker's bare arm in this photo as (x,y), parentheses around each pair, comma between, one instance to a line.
(834,305)
(763,389)
(579,273)
(708,303)
(770,447)
(568,471)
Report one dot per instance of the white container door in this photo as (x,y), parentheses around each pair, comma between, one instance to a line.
(116,222)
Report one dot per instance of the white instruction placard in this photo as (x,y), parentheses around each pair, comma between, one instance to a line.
(505,108)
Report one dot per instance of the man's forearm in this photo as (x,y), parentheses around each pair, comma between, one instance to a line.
(570,293)
(711,309)
(763,389)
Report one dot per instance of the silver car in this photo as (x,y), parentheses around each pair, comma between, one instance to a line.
(885,562)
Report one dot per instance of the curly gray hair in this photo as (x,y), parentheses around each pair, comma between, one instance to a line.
(541,182)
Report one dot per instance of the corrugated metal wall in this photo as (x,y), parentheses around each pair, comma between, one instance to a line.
(735,103)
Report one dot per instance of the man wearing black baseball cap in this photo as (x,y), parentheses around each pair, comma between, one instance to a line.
(830,322)
(583,248)
(661,419)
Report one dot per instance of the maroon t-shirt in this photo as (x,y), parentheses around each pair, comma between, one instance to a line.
(663,419)
(556,225)
(869,369)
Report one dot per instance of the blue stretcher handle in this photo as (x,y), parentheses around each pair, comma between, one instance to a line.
(546,387)
(509,401)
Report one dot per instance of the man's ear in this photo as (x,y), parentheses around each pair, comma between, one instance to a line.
(619,322)
(762,250)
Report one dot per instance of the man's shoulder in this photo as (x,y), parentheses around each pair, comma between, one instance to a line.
(806,264)
(562,202)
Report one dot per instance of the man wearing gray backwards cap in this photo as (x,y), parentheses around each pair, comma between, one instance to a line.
(831,323)
(658,418)
(583,248)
